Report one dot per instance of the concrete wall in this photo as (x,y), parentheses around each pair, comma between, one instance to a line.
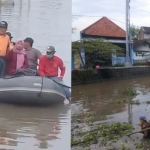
(121,60)
(118,60)
(77,61)
(94,76)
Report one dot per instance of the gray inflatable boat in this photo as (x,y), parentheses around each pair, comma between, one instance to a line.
(30,90)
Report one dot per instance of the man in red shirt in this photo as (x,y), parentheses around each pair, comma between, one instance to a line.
(49,65)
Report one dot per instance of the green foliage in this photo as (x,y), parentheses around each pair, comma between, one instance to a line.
(99,48)
(134,31)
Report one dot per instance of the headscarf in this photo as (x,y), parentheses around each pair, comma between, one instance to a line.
(18,48)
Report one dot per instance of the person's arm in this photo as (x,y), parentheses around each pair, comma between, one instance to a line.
(62,68)
(41,67)
(38,55)
(9,46)
(8,56)
(25,65)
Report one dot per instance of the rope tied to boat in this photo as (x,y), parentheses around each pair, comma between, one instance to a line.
(39,94)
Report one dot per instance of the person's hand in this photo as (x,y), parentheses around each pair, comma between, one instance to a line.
(60,78)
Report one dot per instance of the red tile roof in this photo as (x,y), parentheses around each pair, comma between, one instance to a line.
(105,28)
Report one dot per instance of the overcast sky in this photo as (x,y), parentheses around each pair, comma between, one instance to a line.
(93,10)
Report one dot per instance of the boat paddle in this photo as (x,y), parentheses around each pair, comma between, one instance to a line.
(138,131)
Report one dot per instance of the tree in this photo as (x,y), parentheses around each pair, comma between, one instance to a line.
(134,31)
(98,50)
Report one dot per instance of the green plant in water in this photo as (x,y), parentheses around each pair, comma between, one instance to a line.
(123,147)
(148,102)
(139,145)
(130,92)
(135,102)
(105,132)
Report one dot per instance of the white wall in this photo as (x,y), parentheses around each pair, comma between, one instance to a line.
(142,48)
(146,36)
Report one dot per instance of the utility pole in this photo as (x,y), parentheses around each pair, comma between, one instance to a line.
(128,62)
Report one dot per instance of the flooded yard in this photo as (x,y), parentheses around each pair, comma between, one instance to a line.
(104,113)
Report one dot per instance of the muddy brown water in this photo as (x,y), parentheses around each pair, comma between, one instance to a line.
(97,98)
(38,128)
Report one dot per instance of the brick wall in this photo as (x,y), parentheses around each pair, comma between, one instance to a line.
(93,76)
(141,34)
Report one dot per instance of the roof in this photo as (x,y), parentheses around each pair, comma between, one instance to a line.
(146,30)
(105,28)
(139,42)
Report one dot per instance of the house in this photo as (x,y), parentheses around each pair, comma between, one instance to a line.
(144,33)
(106,29)
(109,31)
(141,50)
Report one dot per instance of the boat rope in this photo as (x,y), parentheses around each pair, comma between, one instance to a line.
(59,83)
(39,94)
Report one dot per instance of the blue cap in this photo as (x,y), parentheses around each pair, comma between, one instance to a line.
(143,118)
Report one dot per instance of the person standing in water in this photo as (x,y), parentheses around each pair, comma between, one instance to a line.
(49,65)
(4,46)
(144,125)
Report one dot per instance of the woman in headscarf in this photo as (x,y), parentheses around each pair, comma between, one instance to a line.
(16,58)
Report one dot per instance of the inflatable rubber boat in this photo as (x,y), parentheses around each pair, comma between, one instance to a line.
(30,90)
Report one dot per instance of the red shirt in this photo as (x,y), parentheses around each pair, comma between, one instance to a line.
(49,67)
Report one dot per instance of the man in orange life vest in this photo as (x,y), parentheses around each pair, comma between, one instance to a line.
(4,46)
(49,65)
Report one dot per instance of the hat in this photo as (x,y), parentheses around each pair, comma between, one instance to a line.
(9,34)
(3,24)
(29,40)
(50,49)
(143,118)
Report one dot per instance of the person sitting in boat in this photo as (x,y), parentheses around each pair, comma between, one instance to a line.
(16,58)
(4,46)
(49,65)
(32,53)
(10,37)
(144,125)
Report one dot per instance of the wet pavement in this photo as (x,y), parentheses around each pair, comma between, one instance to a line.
(107,100)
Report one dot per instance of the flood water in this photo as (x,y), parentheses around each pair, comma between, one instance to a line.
(48,22)
(98,98)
